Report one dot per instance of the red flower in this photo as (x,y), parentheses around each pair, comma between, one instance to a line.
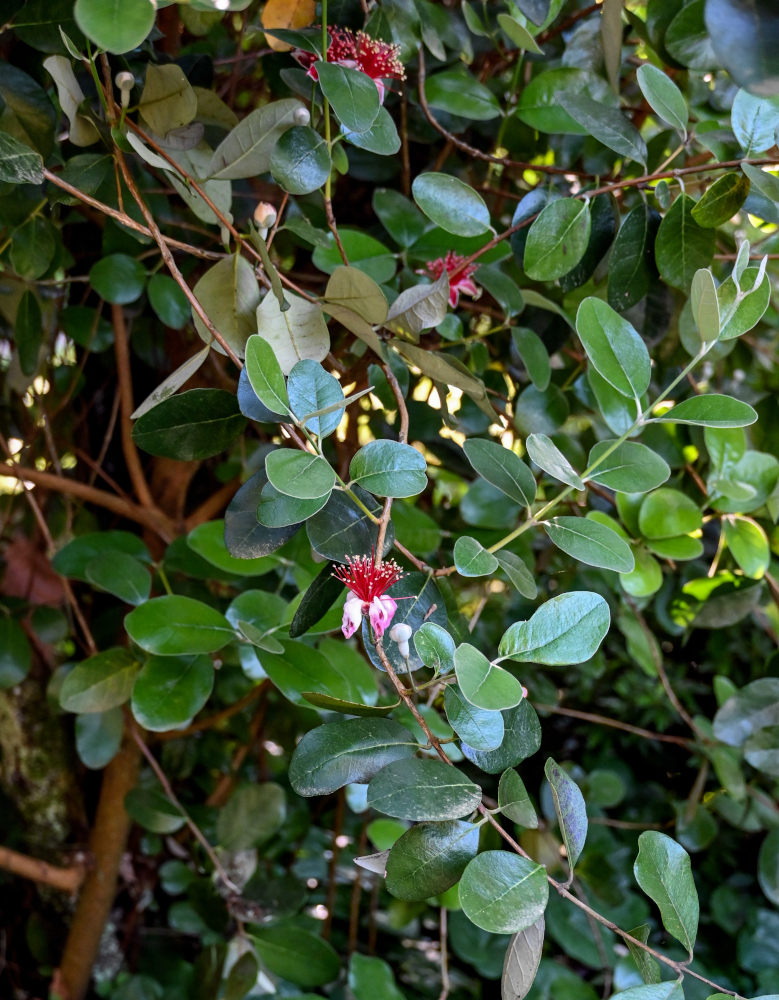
(462,282)
(378,60)
(367,582)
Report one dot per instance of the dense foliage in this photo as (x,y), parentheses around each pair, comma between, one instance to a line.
(389,493)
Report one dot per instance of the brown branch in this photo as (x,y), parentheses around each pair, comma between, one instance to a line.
(477,153)
(157,523)
(124,379)
(213,506)
(214,720)
(226,783)
(126,220)
(170,263)
(602,720)
(67,879)
(107,842)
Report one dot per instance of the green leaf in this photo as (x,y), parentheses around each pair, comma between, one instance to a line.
(418,308)
(711,410)
(501,467)
(316,398)
(705,306)
(247,149)
(451,204)
(682,246)
(646,965)
(167,101)
(629,468)
(389,469)
(472,559)
(195,424)
(662,869)
(539,105)
(754,707)
(518,34)
(121,575)
(297,669)
(297,333)
(742,314)
(28,331)
(518,573)
(103,681)
(118,279)
(99,736)
(687,40)
(72,559)
(18,163)
(381,138)
(654,991)
(631,263)
(435,647)
(265,375)
(567,629)
(765,182)
(666,513)
(479,728)
(173,625)
(761,750)
(459,93)
(748,545)
(153,810)
(253,814)
(399,216)
(429,858)
(503,893)
(208,540)
(331,704)
(296,954)
(371,978)
(535,356)
(352,94)
(591,543)
(422,790)
(170,691)
(116,26)
(547,456)
(15,653)
(557,239)
(299,474)
(229,294)
(522,739)
(352,288)
(607,125)
(616,351)
(364,252)
(168,301)
(722,200)
(755,121)
(571,811)
(341,528)
(484,684)
(300,161)
(245,537)
(768,867)
(663,96)
(338,753)
(514,802)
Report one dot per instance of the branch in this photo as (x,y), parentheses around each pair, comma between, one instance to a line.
(66,879)
(602,720)
(403,436)
(159,523)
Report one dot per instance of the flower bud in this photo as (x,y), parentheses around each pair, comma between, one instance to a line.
(301,116)
(125,81)
(264,215)
(400,634)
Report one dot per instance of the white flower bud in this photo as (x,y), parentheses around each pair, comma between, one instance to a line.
(400,634)
(264,216)
(125,81)
(301,116)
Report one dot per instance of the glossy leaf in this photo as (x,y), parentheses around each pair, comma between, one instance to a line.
(607,125)
(99,736)
(557,239)
(547,456)
(472,559)
(663,96)
(296,954)
(460,94)
(299,474)
(193,425)
(265,375)
(174,625)
(503,893)
(170,691)
(514,801)
(479,728)
(389,469)
(300,161)
(116,27)
(430,858)
(629,468)
(337,753)
(423,790)
(722,200)
(341,528)
(353,96)
(435,647)
(451,204)
(710,410)
(682,245)
(101,682)
(522,739)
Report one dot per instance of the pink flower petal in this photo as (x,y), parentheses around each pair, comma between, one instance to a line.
(380,612)
(352,616)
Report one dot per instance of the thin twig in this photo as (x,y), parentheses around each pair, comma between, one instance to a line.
(171,795)
(211,721)
(603,720)
(66,879)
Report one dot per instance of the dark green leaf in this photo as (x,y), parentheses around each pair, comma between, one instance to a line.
(173,625)
(502,468)
(514,801)
(118,278)
(423,790)
(570,809)
(522,739)
(296,954)
(629,468)
(459,93)
(535,356)
(15,653)
(590,542)
(121,575)
(662,869)
(342,529)
(566,629)
(484,684)
(245,537)
(371,978)
(430,858)
(99,736)
(196,424)
(451,204)
(479,728)
(300,161)
(352,94)
(631,264)
(338,753)
(722,200)
(103,681)
(170,691)
(503,893)
(607,125)
(682,246)
(557,239)
(316,601)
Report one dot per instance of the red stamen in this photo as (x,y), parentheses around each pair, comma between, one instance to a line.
(365,579)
